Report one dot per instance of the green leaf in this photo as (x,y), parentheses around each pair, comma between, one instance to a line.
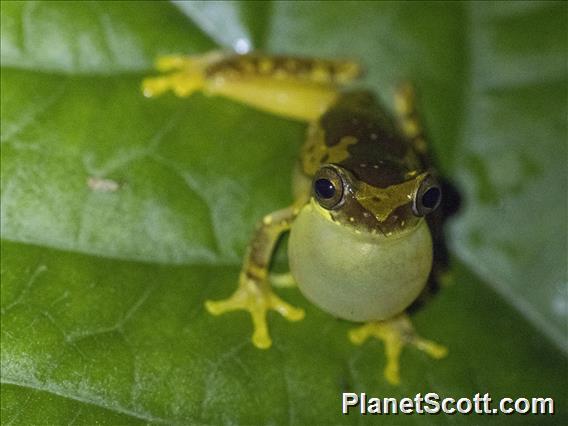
(121,215)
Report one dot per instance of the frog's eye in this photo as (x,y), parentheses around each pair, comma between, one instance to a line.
(328,188)
(427,198)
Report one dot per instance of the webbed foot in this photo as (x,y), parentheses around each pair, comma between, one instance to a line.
(257,298)
(395,333)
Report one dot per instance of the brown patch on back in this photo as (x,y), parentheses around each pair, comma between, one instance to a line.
(382,156)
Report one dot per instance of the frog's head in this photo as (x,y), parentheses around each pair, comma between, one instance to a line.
(363,199)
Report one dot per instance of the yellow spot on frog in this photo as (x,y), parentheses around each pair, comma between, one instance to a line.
(411,174)
(315,151)
(320,74)
(337,153)
(404,99)
(411,128)
(348,71)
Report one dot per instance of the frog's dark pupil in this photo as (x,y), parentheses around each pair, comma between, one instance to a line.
(324,188)
(431,197)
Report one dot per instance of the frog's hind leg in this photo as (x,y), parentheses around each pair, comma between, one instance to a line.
(292,87)
(409,119)
(395,333)
(253,293)
(411,125)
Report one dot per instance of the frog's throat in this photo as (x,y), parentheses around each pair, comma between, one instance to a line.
(381,202)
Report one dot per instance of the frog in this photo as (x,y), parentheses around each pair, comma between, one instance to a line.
(359,247)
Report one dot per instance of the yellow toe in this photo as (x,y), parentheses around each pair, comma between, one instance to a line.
(392,374)
(435,350)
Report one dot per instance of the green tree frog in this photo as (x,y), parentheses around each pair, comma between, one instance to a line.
(359,246)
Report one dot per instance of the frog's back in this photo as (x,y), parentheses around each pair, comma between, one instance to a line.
(358,134)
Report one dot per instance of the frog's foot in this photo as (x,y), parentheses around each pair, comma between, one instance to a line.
(256,298)
(395,333)
(186,74)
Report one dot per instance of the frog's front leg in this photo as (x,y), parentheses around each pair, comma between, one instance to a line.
(395,333)
(253,293)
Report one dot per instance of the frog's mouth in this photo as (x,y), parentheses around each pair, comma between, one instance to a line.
(353,215)
(382,202)
(400,222)
(391,207)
